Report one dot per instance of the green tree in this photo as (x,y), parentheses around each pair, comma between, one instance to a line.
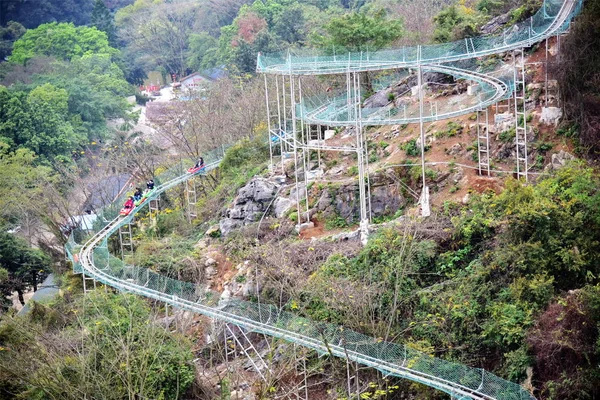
(33,13)
(456,22)
(96,89)
(199,46)
(290,25)
(21,267)
(121,352)
(63,41)
(38,120)
(103,20)
(360,32)
(8,35)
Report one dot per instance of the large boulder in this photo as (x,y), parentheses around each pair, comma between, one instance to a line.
(496,24)
(281,206)
(559,160)
(249,205)
(551,115)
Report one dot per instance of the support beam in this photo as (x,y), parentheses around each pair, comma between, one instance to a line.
(425,209)
(191,198)
(520,115)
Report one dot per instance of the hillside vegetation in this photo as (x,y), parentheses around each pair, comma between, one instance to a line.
(505,275)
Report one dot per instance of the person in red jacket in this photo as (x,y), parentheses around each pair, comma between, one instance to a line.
(129,203)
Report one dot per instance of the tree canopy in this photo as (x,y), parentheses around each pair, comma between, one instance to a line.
(359,31)
(63,41)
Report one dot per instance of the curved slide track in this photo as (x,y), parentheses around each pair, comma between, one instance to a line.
(553,17)
(460,381)
(335,113)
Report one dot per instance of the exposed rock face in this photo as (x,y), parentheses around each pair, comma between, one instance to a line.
(559,160)
(382,98)
(249,205)
(386,199)
(496,24)
(551,115)
(281,206)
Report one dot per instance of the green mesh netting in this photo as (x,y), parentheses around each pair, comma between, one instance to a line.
(392,359)
(553,17)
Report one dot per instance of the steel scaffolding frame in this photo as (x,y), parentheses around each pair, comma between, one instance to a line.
(483,143)
(295,132)
(460,381)
(520,114)
(389,358)
(191,199)
(126,240)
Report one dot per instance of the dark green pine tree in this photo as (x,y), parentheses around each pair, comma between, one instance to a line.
(103,20)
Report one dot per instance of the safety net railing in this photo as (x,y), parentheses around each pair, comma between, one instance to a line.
(165,178)
(341,110)
(95,261)
(552,18)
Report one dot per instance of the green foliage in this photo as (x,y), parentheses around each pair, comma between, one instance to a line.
(245,152)
(63,41)
(18,169)
(38,120)
(96,87)
(22,266)
(103,20)
(456,22)
(411,148)
(336,222)
(127,353)
(32,14)
(507,136)
(387,268)
(577,77)
(543,147)
(8,35)
(358,31)
(568,130)
(199,55)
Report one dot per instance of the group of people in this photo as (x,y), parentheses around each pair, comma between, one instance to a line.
(137,195)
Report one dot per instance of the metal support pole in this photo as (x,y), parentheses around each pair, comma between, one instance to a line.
(361,160)
(190,194)
(546,74)
(306,150)
(293,135)
(269,123)
(425,210)
(520,116)
(280,127)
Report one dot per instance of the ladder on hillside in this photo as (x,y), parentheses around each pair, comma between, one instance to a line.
(520,115)
(154,207)
(192,199)
(483,143)
(237,342)
(126,241)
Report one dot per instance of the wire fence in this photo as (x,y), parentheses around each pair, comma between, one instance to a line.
(390,358)
(89,253)
(552,18)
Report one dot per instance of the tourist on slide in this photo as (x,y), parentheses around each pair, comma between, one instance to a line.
(199,163)
(129,203)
